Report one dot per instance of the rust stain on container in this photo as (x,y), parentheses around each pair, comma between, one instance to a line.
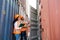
(50,15)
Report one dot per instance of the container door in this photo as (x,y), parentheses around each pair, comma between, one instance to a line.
(1,18)
(45,21)
(34,24)
(6,35)
(50,14)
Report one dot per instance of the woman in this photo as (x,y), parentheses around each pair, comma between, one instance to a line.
(16,27)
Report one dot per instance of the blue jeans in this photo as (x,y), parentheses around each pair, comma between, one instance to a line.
(17,36)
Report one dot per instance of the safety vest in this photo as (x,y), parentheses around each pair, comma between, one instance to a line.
(23,29)
(16,31)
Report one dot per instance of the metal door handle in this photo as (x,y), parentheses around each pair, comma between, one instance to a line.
(42,29)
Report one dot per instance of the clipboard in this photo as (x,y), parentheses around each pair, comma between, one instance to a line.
(21,25)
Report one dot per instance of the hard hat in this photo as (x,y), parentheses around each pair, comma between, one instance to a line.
(21,17)
(16,16)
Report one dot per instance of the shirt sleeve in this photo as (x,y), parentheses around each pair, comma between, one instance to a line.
(16,26)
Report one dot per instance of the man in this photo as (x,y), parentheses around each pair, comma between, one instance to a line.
(23,29)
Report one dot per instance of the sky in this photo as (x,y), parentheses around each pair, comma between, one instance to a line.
(32,3)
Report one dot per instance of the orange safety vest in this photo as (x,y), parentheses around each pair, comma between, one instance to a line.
(16,31)
(23,29)
(20,30)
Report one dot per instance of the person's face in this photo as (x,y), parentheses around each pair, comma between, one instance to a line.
(18,18)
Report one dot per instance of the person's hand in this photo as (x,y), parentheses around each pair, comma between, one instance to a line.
(20,27)
(25,25)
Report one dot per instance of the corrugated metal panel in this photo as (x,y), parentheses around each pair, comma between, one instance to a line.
(50,14)
(23,2)
(7,11)
(34,24)
(1,4)
(45,11)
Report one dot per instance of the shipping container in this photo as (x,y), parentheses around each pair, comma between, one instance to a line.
(33,24)
(50,16)
(8,8)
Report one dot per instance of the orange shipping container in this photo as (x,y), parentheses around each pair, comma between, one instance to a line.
(50,16)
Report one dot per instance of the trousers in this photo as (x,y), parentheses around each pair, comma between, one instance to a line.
(17,36)
(23,36)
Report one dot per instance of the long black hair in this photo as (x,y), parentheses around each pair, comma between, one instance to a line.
(15,20)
